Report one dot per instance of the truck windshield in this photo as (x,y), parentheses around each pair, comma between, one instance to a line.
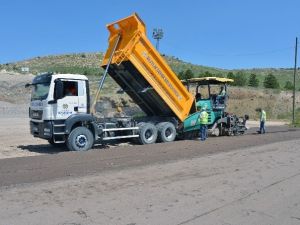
(40,91)
(40,87)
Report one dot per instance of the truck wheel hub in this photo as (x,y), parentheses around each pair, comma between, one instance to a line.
(168,132)
(81,140)
(149,135)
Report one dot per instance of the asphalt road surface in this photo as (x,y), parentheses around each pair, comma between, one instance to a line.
(250,179)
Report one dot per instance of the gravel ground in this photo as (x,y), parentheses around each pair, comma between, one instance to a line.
(225,180)
(258,185)
(16,140)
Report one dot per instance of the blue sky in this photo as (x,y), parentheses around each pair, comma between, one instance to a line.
(219,33)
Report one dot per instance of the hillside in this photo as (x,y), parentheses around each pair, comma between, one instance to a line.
(242,100)
(14,99)
(89,64)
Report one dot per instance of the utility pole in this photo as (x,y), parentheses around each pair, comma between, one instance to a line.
(295,70)
(157,35)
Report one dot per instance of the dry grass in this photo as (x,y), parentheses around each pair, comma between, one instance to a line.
(276,103)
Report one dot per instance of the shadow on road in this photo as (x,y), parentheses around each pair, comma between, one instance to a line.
(45,148)
(272,130)
(49,149)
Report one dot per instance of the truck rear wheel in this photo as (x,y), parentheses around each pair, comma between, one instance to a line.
(80,139)
(166,132)
(148,133)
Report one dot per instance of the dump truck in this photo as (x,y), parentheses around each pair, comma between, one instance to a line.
(62,113)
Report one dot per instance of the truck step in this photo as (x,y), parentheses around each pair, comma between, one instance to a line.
(59,125)
(59,142)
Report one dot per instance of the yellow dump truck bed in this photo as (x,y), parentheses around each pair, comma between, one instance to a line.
(143,74)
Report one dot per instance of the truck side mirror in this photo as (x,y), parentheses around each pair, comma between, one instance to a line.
(59,89)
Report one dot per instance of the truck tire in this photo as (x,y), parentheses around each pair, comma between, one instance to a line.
(166,132)
(80,139)
(148,133)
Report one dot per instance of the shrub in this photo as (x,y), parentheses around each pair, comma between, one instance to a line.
(271,81)
(240,79)
(253,81)
(230,75)
(189,74)
(15,68)
(206,74)
(184,75)
(288,85)
(181,75)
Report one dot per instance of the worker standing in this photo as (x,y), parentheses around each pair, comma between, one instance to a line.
(203,118)
(262,119)
(222,91)
(220,99)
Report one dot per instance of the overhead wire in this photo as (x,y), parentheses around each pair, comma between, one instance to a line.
(249,53)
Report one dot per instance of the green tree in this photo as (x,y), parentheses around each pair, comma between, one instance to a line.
(181,75)
(230,75)
(219,75)
(253,81)
(288,85)
(240,79)
(271,81)
(188,74)
(205,74)
(184,75)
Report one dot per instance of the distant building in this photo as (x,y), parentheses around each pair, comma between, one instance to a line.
(25,69)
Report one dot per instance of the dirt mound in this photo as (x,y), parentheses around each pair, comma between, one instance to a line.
(14,97)
(12,87)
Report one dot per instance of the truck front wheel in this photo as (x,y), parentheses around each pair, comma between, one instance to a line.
(80,139)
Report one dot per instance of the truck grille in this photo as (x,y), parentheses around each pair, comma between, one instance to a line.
(36,114)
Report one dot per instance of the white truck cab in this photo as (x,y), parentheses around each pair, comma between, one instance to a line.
(60,113)
(54,98)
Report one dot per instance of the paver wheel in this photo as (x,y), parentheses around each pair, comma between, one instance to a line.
(80,139)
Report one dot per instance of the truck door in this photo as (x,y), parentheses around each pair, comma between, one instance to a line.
(82,97)
(69,104)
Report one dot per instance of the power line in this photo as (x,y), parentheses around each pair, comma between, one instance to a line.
(268,52)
